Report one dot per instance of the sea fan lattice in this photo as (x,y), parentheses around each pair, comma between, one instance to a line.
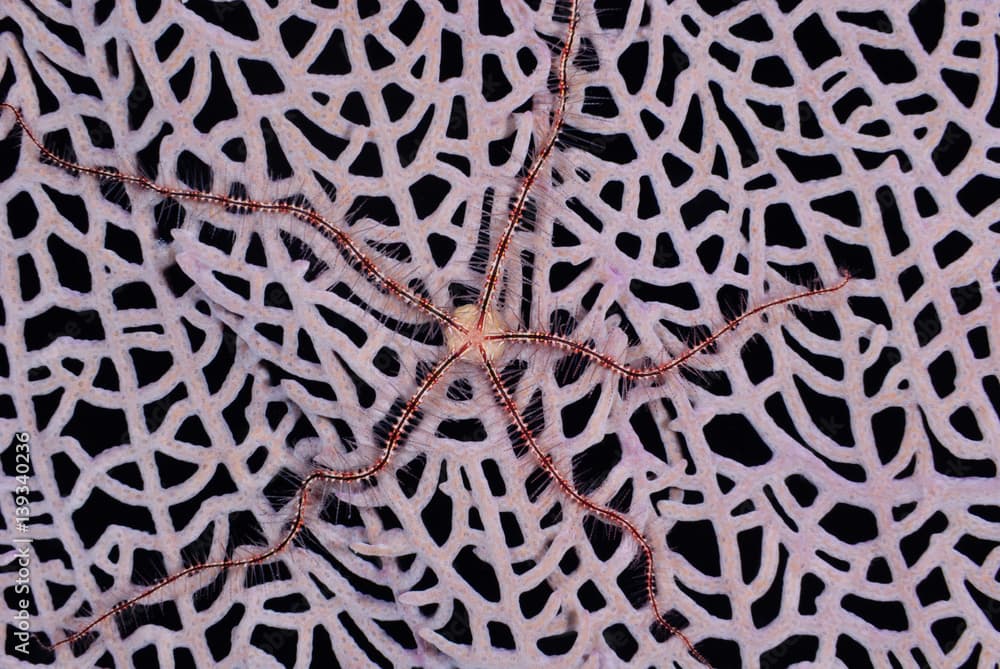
(416,402)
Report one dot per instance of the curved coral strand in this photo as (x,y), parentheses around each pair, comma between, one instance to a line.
(368,267)
(637,373)
(615,518)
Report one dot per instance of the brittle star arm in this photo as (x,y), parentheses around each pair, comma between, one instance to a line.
(637,373)
(368,268)
(516,213)
(603,512)
(314,478)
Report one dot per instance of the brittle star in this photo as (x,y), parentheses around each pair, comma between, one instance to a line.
(475,334)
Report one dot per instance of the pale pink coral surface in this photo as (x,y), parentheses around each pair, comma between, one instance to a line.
(824,490)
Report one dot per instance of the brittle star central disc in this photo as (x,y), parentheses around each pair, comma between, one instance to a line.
(476,335)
